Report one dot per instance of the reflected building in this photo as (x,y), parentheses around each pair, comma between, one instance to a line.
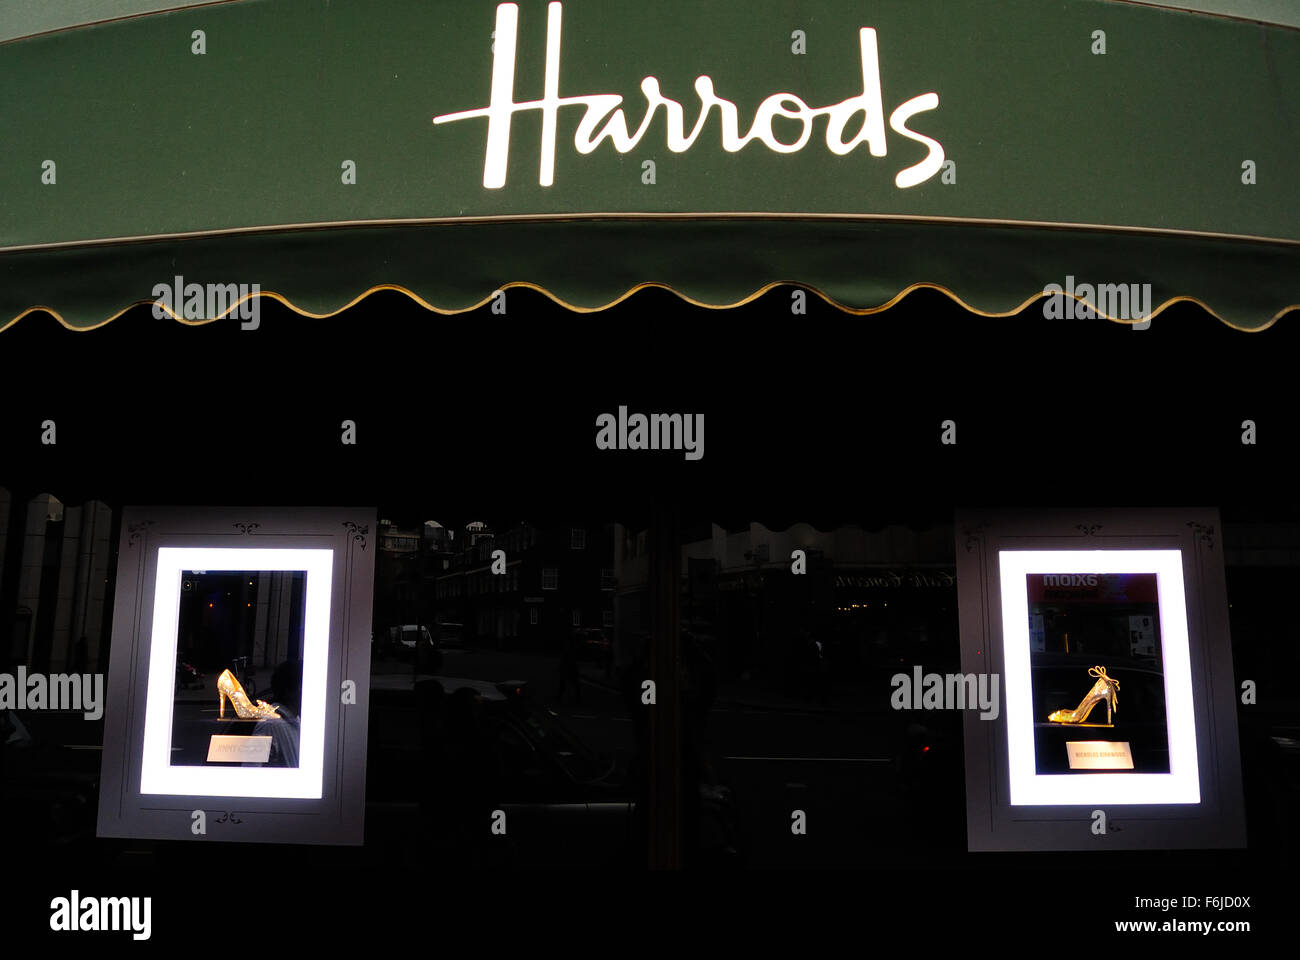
(227,615)
(56,567)
(557,579)
(862,594)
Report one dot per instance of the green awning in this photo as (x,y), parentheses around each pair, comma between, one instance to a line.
(290,148)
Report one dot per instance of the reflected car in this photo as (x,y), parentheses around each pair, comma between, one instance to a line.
(450,636)
(461,746)
(402,639)
(592,643)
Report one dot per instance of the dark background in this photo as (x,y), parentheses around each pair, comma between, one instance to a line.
(830,419)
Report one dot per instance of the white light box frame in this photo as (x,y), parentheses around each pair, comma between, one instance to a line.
(1029,788)
(322,799)
(1010,805)
(303,782)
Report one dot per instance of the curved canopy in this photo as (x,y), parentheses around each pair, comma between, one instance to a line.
(315,150)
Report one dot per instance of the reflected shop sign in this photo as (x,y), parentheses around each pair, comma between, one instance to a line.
(893,579)
(902,579)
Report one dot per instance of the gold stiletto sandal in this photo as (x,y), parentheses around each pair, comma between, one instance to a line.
(228,688)
(1104,689)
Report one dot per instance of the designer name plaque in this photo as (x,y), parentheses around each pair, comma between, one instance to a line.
(1099,755)
(226,749)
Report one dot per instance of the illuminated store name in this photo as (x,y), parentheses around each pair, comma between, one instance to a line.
(603,119)
(1070,580)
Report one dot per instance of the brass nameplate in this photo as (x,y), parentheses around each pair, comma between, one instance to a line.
(1099,755)
(225,749)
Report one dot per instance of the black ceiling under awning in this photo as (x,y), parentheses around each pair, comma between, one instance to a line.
(822,418)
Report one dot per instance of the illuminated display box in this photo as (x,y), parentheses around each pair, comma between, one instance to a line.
(239,676)
(1109,632)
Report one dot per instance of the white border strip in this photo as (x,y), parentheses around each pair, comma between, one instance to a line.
(158,776)
(1028,788)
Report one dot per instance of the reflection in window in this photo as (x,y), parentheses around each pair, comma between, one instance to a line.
(238,690)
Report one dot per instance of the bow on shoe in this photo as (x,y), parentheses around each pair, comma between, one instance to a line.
(1100,673)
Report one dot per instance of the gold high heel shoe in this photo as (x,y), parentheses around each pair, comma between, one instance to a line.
(228,688)
(1104,689)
